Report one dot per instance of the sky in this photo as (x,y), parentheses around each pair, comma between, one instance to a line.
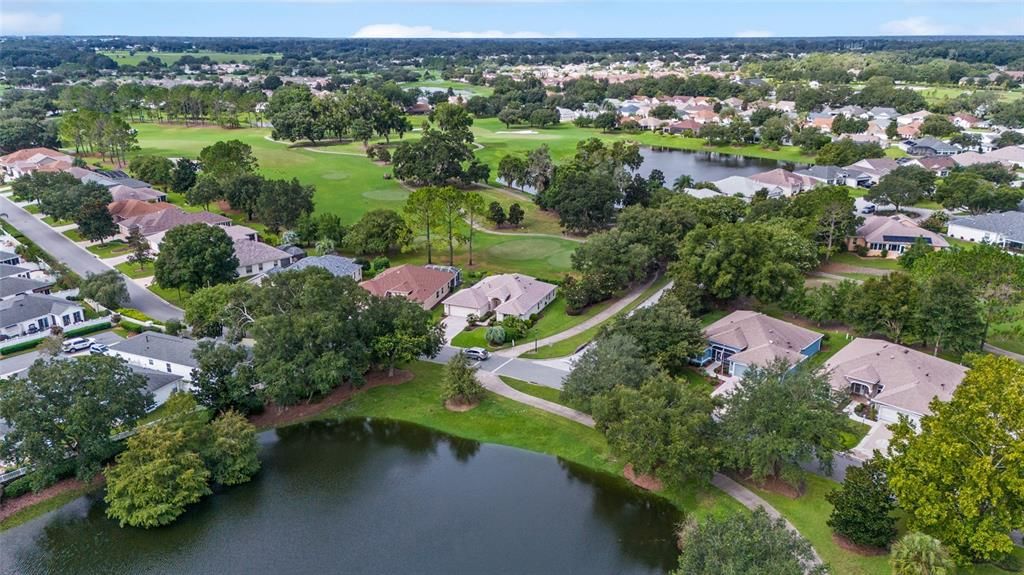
(512,18)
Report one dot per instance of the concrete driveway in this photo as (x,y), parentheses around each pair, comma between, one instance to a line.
(24,361)
(80,260)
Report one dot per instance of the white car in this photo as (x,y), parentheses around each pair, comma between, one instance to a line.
(78,344)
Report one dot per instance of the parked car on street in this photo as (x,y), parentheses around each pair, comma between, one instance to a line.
(98,349)
(477,353)
(78,344)
(869,209)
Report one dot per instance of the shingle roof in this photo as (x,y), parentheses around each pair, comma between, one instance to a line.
(31,153)
(759,338)
(251,252)
(882,229)
(11,285)
(125,209)
(120,192)
(9,270)
(337,265)
(910,379)
(169,218)
(517,293)
(159,346)
(413,282)
(1008,224)
(30,306)
(155,379)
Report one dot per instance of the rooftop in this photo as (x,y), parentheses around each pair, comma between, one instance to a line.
(159,346)
(413,282)
(1008,224)
(881,229)
(336,265)
(759,339)
(31,306)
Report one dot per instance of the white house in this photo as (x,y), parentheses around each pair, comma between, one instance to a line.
(159,352)
(1005,230)
(515,295)
(32,313)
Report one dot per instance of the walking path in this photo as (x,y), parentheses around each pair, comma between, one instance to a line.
(582,326)
(746,497)
(1003,352)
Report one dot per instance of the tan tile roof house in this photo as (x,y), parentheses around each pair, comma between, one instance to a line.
(898,380)
(787,181)
(121,192)
(422,285)
(255,257)
(894,235)
(17,164)
(168,218)
(125,209)
(745,338)
(514,295)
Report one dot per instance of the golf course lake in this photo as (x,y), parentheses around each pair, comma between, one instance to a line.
(373,496)
(704,166)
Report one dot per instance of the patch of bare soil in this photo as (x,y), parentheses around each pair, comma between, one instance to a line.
(11,506)
(276,416)
(852,547)
(459,406)
(648,482)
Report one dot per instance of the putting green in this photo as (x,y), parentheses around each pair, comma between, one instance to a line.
(387,195)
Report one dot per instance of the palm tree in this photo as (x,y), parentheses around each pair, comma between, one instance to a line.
(682,182)
(919,554)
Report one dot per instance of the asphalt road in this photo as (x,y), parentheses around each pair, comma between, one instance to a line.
(524,369)
(24,360)
(80,260)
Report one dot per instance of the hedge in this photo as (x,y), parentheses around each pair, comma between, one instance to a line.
(87,329)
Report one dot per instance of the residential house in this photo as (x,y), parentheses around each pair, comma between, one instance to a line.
(338,266)
(785,106)
(162,353)
(1005,230)
(965,121)
(166,219)
(21,162)
(823,123)
(907,131)
(132,208)
(883,114)
(836,176)
(892,235)
(895,379)
(1010,154)
(257,257)
(929,146)
(683,126)
(875,168)
(912,117)
(121,192)
(789,182)
(8,270)
(9,258)
(422,285)
(32,313)
(940,165)
(13,286)
(748,338)
(746,188)
(506,295)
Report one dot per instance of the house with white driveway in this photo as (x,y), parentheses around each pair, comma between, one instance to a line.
(514,295)
(747,338)
(33,313)
(896,380)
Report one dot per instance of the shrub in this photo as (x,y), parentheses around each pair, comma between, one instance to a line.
(173,327)
(495,335)
(515,328)
(861,250)
(380,264)
(472,319)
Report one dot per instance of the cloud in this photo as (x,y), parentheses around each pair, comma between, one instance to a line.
(30,23)
(914,26)
(403,31)
(754,34)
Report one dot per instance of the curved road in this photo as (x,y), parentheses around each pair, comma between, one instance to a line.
(80,260)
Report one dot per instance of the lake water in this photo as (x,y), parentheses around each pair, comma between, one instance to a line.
(373,497)
(701,166)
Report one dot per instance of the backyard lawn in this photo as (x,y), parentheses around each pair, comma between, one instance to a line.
(852,259)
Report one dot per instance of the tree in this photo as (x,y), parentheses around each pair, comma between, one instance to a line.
(845,152)
(64,409)
(958,479)
(919,554)
(513,170)
(810,139)
(472,206)
(140,248)
(223,379)
(887,304)
(296,114)
(896,190)
(892,131)
(460,383)
(496,214)
(424,212)
(94,220)
(665,428)
(939,126)
(611,361)
(606,121)
(1009,138)
(744,543)
(949,315)
(453,120)
(153,169)
(205,190)
(379,232)
(107,289)
(544,117)
(862,509)
(32,187)
(243,192)
(540,169)
(764,260)
(663,111)
(515,214)
(155,479)
(402,331)
(511,114)
(227,159)
(778,417)
(281,203)
(666,332)
(194,256)
(450,203)
(232,453)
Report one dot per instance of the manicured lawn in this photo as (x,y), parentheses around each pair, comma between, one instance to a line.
(173,296)
(48,220)
(503,421)
(855,434)
(31,208)
(542,391)
(894,152)
(552,320)
(713,316)
(73,235)
(445,84)
(833,342)
(570,345)
(132,270)
(542,258)
(852,259)
(110,249)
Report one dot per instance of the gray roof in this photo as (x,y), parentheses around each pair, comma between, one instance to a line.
(155,379)
(251,252)
(934,143)
(12,285)
(31,306)
(159,346)
(4,256)
(337,265)
(1008,224)
(829,173)
(9,270)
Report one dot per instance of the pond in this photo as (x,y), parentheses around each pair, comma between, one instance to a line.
(372,496)
(701,166)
